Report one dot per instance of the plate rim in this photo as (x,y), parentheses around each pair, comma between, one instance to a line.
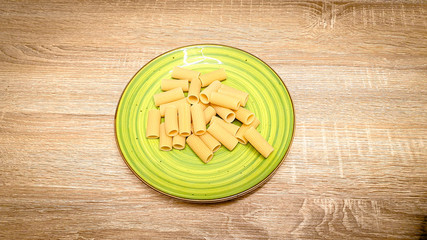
(215,200)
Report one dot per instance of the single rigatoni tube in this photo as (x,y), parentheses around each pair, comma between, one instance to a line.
(168,96)
(183,73)
(198,119)
(231,128)
(174,103)
(224,100)
(171,121)
(224,137)
(194,91)
(178,142)
(165,142)
(169,84)
(258,142)
(240,135)
(209,112)
(184,119)
(200,148)
(217,75)
(243,96)
(206,93)
(153,124)
(210,141)
(225,113)
(244,115)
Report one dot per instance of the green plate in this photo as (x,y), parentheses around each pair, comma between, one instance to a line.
(181,174)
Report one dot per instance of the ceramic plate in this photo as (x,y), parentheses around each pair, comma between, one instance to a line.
(180,173)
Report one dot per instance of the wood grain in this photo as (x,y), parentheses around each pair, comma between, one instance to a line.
(356,71)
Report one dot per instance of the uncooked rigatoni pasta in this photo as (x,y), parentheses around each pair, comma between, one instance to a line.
(217,75)
(168,96)
(194,91)
(231,128)
(244,115)
(178,142)
(175,103)
(224,137)
(183,73)
(209,112)
(210,141)
(258,142)
(198,119)
(204,106)
(153,124)
(171,121)
(205,95)
(165,142)
(224,100)
(200,148)
(185,119)
(243,96)
(225,113)
(169,84)
(240,135)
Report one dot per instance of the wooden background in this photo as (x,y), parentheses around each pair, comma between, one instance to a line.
(357,72)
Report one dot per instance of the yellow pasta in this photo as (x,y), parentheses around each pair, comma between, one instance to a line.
(243,96)
(153,124)
(210,142)
(184,119)
(204,106)
(244,116)
(224,100)
(240,135)
(183,73)
(194,91)
(258,142)
(198,119)
(178,142)
(200,148)
(206,93)
(174,103)
(225,113)
(168,96)
(165,142)
(209,112)
(231,128)
(169,84)
(224,137)
(171,121)
(210,77)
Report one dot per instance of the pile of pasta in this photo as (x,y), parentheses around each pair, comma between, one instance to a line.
(186,118)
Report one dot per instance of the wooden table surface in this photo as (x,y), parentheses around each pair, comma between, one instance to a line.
(357,73)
